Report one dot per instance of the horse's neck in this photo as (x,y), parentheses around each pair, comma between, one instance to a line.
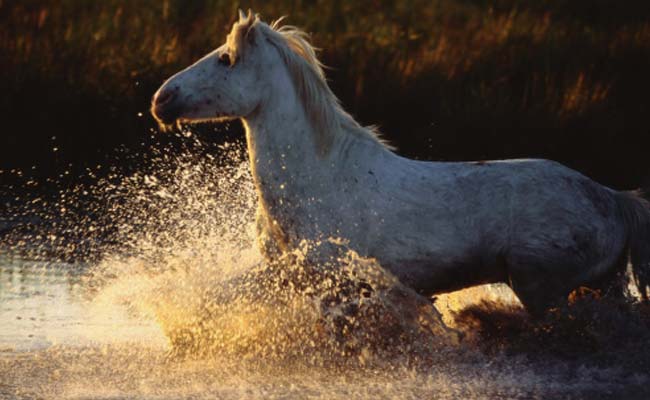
(281,145)
(286,162)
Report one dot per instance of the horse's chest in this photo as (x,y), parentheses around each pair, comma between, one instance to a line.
(294,220)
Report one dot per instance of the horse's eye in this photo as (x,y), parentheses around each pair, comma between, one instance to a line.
(224,59)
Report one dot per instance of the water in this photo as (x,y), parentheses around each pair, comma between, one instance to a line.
(152,313)
(55,343)
(44,305)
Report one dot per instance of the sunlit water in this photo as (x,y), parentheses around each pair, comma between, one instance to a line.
(155,315)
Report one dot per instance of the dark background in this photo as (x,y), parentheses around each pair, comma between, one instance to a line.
(567,80)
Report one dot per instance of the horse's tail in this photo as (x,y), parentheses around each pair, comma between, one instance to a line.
(636,213)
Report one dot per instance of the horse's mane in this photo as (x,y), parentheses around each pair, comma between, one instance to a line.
(324,110)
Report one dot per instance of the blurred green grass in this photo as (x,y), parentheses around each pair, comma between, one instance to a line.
(445,79)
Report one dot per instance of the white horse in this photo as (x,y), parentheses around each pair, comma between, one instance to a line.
(536,225)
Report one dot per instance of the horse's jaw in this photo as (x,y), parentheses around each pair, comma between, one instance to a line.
(177,124)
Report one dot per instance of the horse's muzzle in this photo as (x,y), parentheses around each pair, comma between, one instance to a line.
(165,106)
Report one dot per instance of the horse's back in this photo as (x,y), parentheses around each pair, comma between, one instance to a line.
(517,200)
(558,213)
(555,205)
(565,231)
(478,222)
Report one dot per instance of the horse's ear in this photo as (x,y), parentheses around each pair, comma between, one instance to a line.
(247,17)
(246,24)
(251,31)
(250,35)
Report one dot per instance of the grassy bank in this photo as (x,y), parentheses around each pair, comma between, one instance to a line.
(460,79)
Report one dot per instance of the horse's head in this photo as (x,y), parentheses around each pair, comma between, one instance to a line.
(259,65)
(226,83)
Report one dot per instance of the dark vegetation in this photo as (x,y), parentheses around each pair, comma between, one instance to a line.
(447,80)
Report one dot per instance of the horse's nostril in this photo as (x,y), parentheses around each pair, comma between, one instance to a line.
(166,96)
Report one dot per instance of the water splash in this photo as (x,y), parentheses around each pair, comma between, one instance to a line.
(188,260)
(175,243)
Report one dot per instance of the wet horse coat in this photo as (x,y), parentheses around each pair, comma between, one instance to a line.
(536,225)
